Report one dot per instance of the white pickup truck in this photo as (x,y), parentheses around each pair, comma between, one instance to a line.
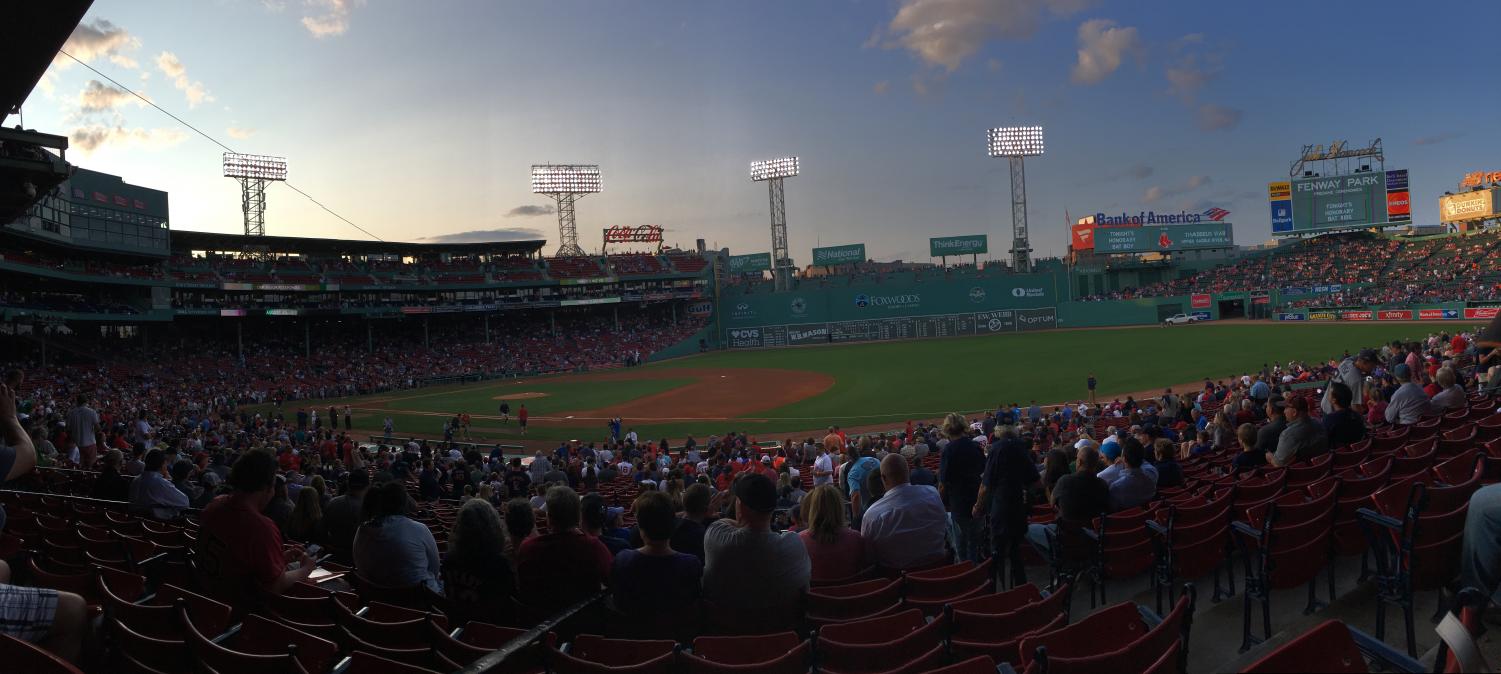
(1180,319)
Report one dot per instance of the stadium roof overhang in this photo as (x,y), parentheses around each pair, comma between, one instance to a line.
(183,241)
(31,33)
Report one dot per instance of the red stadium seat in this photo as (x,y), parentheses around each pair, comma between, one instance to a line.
(929,590)
(1415,548)
(20,656)
(873,645)
(781,653)
(1284,552)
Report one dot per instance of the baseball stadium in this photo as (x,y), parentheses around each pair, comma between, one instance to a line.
(277,446)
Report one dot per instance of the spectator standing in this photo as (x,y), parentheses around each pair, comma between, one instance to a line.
(1352,372)
(960,468)
(906,528)
(394,550)
(1091,383)
(823,466)
(855,476)
(83,432)
(1009,472)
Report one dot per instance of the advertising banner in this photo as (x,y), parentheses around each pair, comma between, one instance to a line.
(1261,299)
(1199,301)
(1467,206)
(1362,315)
(1083,236)
(746,264)
(1291,317)
(1485,313)
(701,309)
(1160,238)
(1200,315)
(1322,316)
(742,338)
(1398,206)
(976,244)
(1396,180)
(1036,319)
(1437,314)
(1338,201)
(1394,315)
(832,255)
(995,321)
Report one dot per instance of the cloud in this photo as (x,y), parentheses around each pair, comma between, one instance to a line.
(238,133)
(947,32)
(100,38)
(333,22)
(1218,117)
(530,211)
(1102,47)
(485,235)
(172,67)
(1191,67)
(993,65)
(1437,138)
(98,97)
(881,87)
(95,136)
(1157,193)
(1138,171)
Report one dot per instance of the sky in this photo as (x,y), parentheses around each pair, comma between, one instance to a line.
(419,121)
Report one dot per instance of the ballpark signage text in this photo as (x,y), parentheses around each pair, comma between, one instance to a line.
(1159,239)
(747,264)
(1199,301)
(976,244)
(832,255)
(1477,205)
(1154,218)
(1394,315)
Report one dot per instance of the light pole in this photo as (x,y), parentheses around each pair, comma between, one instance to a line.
(771,172)
(1014,143)
(565,183)
(254,171)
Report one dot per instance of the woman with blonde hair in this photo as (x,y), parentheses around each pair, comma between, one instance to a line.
(835,550)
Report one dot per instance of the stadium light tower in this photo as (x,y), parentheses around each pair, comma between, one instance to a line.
(254,171)
(1015,143)
(771,172)
(565,183)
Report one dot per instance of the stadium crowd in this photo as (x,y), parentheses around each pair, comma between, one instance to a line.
(1385,270)
(742,527)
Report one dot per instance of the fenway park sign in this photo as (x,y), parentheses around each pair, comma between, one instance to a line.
(628,234)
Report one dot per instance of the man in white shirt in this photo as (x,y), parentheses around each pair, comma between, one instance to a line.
(1352,373)
(823,467)
(907,527)
(83,429)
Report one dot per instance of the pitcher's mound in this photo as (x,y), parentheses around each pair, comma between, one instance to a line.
(520,396)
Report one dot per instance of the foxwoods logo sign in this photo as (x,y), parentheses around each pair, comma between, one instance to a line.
(1026,292)
(863,300)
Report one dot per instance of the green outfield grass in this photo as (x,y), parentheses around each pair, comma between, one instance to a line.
(890,382)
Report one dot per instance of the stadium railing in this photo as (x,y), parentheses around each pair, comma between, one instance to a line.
(498,657)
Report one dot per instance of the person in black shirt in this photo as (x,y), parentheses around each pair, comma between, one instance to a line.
(594,515)
(111,485)
(1169,471)
(1266,437)
(427,482)
(1079,497)
(1009,472)
(518,482)
(1249,457)
(478,579)
(1343,426)
(959,469)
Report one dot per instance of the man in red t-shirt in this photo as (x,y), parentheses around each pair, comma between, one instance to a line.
(240,550)
(521,417)
(558,569)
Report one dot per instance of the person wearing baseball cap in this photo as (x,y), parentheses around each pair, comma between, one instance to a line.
(1352,373)
(749,567)
(1302,439)
(1409,403)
